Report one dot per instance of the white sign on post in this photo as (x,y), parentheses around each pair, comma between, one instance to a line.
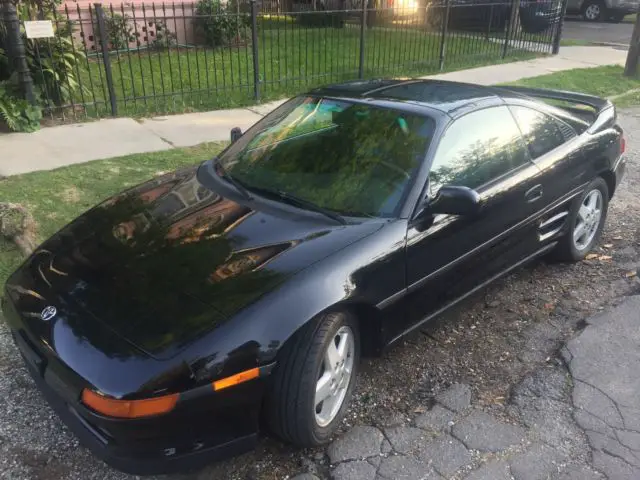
(39,29)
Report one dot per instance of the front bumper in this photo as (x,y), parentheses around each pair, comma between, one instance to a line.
(205,426)
(159,459)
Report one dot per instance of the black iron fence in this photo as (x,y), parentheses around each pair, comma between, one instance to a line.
(149,58)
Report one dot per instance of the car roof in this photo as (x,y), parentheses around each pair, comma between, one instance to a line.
(444,96)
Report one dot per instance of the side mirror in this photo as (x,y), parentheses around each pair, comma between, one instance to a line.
(236,133)
(449,200)
(455,201)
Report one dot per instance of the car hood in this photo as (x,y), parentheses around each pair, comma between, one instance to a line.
(162,263)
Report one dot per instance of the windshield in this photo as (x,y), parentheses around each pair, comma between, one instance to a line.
(346,157)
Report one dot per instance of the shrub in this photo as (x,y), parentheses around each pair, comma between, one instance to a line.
(54,67)
(164,37)
(16,112)
(220,24)
(119,31)
(327,20)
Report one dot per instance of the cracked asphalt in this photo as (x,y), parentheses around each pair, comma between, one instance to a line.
(534,378)
(575,418)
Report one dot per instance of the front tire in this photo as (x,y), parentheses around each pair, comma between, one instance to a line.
(594,11)
(586,220)
(314,380)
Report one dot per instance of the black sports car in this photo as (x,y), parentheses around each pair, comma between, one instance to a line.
(166,323)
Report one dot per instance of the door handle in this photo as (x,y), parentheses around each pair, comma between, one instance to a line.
(533,194)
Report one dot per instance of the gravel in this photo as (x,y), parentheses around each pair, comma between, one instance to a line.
(490,342)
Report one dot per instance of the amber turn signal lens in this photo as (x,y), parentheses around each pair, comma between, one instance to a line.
(128,408)
(236,379)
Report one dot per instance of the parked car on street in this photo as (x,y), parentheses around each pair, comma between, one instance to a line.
(487,15)
(170,322)
(603,10)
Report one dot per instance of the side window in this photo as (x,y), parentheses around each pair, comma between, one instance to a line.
(477,149)
(540,131)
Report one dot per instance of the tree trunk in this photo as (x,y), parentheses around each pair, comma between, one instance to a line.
(631,67)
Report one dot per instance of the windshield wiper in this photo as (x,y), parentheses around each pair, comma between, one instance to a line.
(299,202)
(224,174)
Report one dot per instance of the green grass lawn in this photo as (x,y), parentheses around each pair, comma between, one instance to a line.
(291,59)
(573,42)
(56,197)
(601,81)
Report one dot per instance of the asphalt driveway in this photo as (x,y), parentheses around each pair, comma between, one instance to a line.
(605,33)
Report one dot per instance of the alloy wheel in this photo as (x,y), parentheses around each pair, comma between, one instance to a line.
(335,376)
(592,12)
(587,220)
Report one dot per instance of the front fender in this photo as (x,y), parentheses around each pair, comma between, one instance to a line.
(358,277)
(363,273)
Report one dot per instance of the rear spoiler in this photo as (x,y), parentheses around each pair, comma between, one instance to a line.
(603,110)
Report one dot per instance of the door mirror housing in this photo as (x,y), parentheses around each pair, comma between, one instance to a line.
(449,200)
(454,200)
(236,133)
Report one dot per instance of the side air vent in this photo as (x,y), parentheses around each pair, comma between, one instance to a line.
(552,225)
(566,130)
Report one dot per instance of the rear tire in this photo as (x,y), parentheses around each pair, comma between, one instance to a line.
(586,221)
(303,375)
(594,11)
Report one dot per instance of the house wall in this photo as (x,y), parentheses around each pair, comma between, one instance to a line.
(146,18)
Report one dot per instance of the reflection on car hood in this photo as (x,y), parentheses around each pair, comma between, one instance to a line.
(170,259)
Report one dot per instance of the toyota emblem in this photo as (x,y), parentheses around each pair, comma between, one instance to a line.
(48,313)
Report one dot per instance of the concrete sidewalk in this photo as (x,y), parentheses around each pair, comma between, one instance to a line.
(55,147)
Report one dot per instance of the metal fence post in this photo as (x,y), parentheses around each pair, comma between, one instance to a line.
(558,36)
(104,43)
(363,24)
(515,11)
(488,36)
(443,37)
(17,54)
(254,50)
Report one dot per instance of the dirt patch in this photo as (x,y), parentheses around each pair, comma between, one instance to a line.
(70,194)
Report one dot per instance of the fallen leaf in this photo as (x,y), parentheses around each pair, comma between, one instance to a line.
(605,257)
(420,410)
(631,274)
(607,245)
(617,238)
(591,256)
(549,306)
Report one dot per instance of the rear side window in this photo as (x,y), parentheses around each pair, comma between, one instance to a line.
(541,132)
(477,149)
